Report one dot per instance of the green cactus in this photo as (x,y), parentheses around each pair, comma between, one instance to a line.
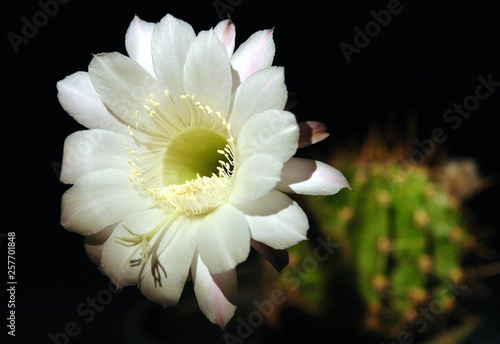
(401,237)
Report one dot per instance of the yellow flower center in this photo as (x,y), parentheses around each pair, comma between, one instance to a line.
(191,153)
(191,170)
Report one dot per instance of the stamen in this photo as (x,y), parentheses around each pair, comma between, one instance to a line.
(142,241)
(194,197)
(200,194)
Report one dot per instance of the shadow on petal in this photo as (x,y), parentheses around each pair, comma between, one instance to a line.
(311,132)
(93,244)
(225,283)
(311,177)
(216,293)
(278,258)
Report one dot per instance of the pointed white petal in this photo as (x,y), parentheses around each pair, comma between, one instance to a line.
(216,293)
(311,177)
(123,86)
(261,91)
(93,150)
(117,254)
(138,43)
(207,72)
(256,53)
(170,44)
(271,132)
(79,98)
(99,199)
(223,239)
(255,177)
(171,257)
(276,220)
(226,32)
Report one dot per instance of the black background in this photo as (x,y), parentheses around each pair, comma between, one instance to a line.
(428,58)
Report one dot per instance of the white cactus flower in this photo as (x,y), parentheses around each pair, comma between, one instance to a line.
(185,162)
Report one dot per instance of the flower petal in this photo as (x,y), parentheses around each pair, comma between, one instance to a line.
(171,258)
(216,293)
(117,254)
(99,199)
(79,98)
(170,44)
(255,178)
(93,150)
(276,220)
(226,32)
(95,242)
(223,239)
(261,91)
(123,86)
(311,132)
(138,43)
(207,72)
(272,132)
(278,258)
(256,53)
(311,177)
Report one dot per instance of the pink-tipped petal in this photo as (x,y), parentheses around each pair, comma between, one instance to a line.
(216,293)
(256,53)
(311,177)
(311,132)
(226,32)
(277,258)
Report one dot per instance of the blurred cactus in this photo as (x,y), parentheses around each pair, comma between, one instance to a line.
(401,234)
